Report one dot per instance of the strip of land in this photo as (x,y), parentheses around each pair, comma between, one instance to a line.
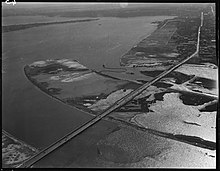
(10,28)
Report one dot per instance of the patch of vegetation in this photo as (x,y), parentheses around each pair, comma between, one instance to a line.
(205,82)
(54,91)
(178,76)
(141,104)
(210,108)
(53,68)
(194,99)
(207,50)
(177,36)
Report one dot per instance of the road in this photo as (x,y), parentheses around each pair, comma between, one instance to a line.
(212,11)
(112,108)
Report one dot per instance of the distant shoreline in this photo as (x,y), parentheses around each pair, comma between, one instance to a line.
(17,27)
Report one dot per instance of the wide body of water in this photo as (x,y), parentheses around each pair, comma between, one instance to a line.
(34,117)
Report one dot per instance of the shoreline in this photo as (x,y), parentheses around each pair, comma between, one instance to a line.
(53,97)
(75,106)
(17,27)
(20,141)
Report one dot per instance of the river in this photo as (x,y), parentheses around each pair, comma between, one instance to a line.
(36,118)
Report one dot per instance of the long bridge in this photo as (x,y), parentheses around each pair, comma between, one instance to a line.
(116,105)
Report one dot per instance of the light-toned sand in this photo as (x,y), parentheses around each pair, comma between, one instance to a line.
(14,151)
(112,98)
(206,71)
(172,116)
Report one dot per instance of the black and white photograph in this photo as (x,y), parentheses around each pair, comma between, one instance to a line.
(109,84)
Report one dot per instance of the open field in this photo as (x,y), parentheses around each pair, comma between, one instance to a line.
(72,83)
(165,46)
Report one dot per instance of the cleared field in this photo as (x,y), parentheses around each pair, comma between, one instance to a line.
(165,46)
(154,46)
(72,83)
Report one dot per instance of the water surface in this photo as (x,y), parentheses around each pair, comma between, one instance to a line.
(31,115)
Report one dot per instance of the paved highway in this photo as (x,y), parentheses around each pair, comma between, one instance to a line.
(212,11)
